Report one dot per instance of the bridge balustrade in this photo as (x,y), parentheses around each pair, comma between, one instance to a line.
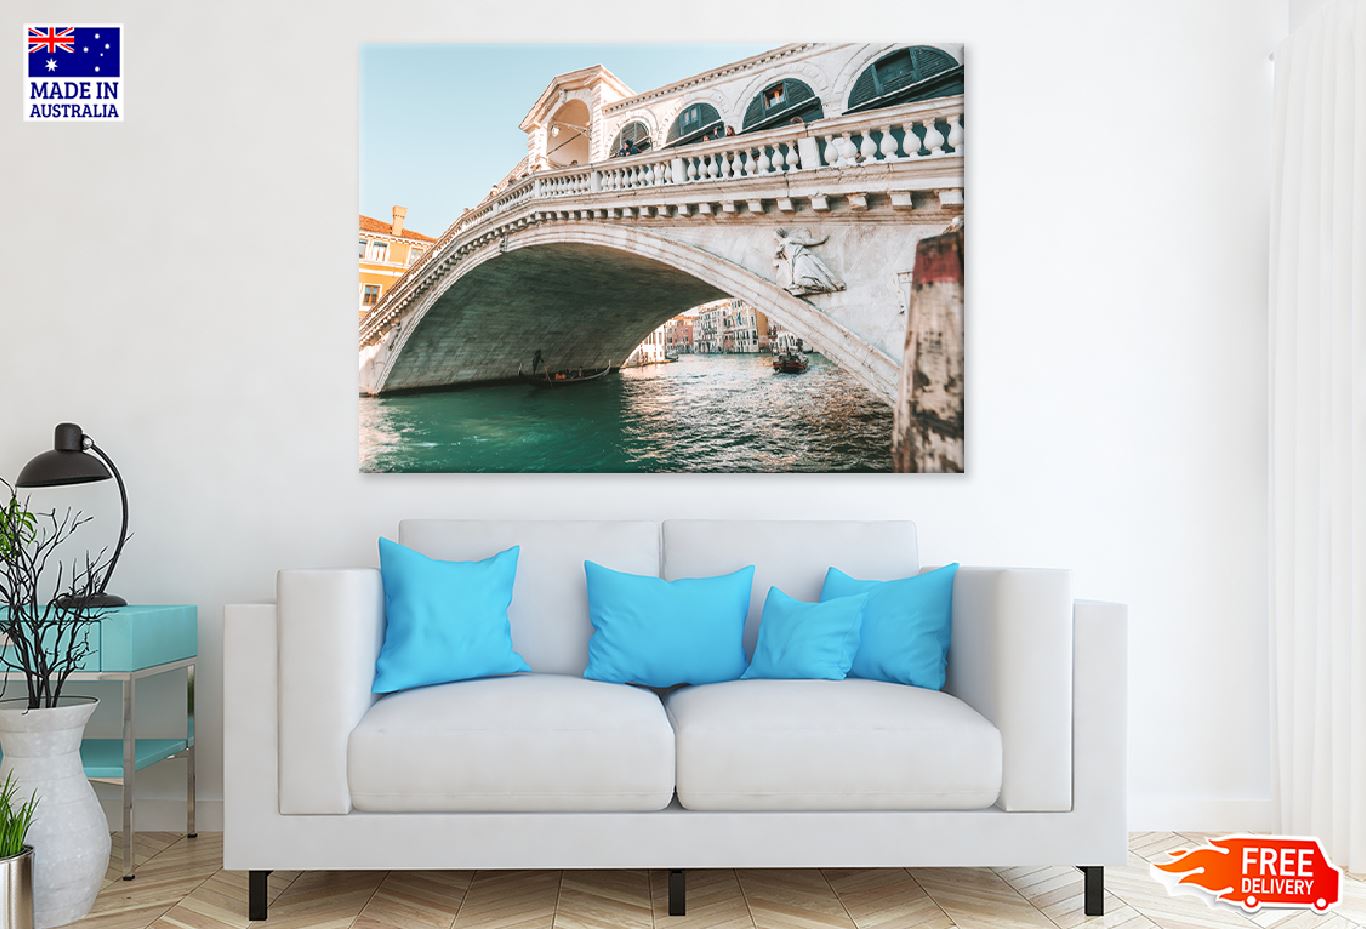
(917,131)
(912,132)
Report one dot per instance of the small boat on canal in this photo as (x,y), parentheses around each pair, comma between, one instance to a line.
(575,376)
(791,363)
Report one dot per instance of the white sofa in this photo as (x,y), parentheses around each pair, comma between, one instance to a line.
(1020,761)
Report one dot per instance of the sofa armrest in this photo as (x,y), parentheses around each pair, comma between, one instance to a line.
(1010,658)
(1100,718)
(331,625)
(250,787)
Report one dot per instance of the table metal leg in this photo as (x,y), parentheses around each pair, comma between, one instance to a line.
(129,773)
(189,753)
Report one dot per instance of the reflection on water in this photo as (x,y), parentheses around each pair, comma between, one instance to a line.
(702,413)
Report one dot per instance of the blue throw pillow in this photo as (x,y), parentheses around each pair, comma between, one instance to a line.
(659,633)
(444,620)
(906,626)
(799,640)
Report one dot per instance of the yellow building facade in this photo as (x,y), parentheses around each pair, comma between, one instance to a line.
(385,251)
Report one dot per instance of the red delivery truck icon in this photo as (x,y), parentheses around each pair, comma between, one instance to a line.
(1253,871)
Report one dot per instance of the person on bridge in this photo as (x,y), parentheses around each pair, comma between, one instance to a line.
(536,361)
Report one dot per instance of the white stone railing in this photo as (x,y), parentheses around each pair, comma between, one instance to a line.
(912,132)
(935,128)
(567,183)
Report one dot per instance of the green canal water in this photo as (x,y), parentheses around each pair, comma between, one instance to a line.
(702,413)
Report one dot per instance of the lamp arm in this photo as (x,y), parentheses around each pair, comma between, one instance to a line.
(123,499)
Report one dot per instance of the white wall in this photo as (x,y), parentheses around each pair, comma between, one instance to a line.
(183,286)
(1301,10)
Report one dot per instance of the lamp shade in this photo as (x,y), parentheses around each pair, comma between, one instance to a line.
(65,463)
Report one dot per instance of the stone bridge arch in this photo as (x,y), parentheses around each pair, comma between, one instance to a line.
(583,294)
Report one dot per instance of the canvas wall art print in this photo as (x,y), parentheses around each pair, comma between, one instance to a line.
(661,258)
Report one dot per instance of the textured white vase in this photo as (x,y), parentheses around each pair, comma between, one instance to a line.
(69,835)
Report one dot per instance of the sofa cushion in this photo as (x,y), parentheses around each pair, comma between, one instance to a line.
(906,627)
(444,620)
(660,633)
(831,745)
(535,742)
(800,640)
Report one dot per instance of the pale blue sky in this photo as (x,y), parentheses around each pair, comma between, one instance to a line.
(438,123)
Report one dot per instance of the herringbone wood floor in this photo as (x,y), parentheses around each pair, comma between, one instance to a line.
(181,884)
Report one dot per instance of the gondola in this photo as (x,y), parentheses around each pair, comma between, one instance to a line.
(574,377)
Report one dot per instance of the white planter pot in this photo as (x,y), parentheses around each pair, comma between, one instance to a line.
(69,835)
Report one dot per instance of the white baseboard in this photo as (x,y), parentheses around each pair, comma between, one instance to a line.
(160,814)
(1155,813)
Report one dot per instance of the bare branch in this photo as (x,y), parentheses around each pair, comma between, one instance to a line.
(47,625)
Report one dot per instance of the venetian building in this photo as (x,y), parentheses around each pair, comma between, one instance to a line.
(384,251)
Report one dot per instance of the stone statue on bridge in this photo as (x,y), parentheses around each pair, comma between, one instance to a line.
(800,270)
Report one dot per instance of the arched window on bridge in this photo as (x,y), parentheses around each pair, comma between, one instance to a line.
(782,103)
(567,135)
(918,72)
(695,123)
(635,134)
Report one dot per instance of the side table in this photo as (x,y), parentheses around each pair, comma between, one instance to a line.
(130,644)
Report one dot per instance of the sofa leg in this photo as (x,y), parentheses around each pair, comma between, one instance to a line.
(677,893)
(1093,895)
(256,895)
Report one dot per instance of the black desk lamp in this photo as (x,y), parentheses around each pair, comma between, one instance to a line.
(68,463)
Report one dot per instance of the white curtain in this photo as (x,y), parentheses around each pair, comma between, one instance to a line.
(1318,429)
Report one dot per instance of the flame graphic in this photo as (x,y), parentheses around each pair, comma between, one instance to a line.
(1214,868)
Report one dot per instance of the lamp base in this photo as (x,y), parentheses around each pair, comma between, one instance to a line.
(93,602)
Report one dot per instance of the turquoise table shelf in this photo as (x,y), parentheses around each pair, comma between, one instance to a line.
(127,645)
(103,758)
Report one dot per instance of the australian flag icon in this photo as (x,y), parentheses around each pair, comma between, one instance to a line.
(73,51)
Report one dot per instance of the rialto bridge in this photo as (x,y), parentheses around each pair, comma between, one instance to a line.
(572,265)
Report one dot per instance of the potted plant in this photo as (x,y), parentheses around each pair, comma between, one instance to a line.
(16,858)
(45,620)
